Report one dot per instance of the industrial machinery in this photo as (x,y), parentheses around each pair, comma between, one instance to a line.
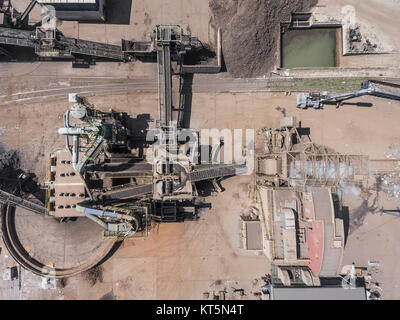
(291,159)
(12,17)
(48,42)
(168,176)
(377,88)
(101,174)
(74,10)
(168,43)
(101,178)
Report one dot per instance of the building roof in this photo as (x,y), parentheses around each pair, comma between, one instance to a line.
(332,251)
(318,293)
(69,188)
(317,239)
(253,235)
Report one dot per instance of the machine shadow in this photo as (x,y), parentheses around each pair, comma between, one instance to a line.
(185,100)
(12,53)
(138,128)
(342,212)
(358,104)
(118,12)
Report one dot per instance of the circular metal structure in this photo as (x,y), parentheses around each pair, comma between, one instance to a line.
(78,111)
(20,254)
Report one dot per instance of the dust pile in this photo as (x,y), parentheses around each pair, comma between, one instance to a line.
(250,30)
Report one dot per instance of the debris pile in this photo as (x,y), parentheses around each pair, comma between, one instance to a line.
(393,152)
(259,289)
(94,275)
(357,45)
(250,32)
(391,181)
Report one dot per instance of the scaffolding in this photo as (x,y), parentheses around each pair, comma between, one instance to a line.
(310,164)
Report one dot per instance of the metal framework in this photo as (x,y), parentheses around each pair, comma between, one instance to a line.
(311,164)
(7,198)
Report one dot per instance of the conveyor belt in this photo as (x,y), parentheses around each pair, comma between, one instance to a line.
(213,172)
(127,191)
(91,48)
(126,170)
(122,167)
(16,37)
(6,197)
(66,46)
(164,85)
(385,89)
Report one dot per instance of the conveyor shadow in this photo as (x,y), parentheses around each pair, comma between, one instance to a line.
(138,128)
(118,12)
(185,100)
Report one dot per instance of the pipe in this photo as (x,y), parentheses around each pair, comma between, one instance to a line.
(103,213)
(67,145)
(97,220)
(74,132)
(75,151)
(70,131)
(94,214)
(66,125)
(66,119)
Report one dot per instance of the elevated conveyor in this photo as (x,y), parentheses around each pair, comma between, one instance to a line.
(127,191)
(60,46)
(6,197)
(126,170)
(215,171)
(164,85)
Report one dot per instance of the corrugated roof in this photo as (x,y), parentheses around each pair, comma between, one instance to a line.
(253,235)
(318,293)
(324,211)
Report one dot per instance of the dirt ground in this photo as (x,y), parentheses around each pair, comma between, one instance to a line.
(184,260)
